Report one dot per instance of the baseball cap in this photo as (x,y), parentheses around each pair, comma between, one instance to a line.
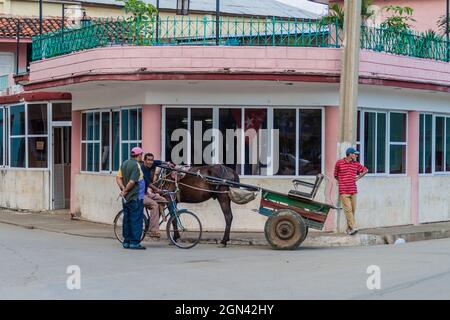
(351,151)
(136,151)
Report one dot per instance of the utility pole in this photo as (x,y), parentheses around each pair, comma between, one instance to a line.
(348,102)
(447,29)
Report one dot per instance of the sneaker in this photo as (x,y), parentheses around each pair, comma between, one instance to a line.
(137,247)
(348,231)
(354,231)
(126,245)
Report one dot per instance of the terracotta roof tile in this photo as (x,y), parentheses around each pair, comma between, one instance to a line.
(29,26)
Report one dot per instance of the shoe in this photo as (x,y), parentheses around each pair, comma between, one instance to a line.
(126,245)
(137,247)
(354,231)
(348,231)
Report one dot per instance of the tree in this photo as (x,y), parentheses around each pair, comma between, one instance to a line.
(442,24)
(400,18)
(336,14)
(142,18)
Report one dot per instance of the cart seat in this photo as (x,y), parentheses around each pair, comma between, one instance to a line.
(309,194)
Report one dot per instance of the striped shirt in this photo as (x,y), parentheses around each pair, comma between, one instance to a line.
(346,172)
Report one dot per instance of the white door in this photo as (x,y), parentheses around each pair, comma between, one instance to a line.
(61,167)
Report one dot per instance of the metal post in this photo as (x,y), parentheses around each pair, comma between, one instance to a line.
(17,46)
(217,22)
(62,24)
(40,17)
(157,21)
(447,29)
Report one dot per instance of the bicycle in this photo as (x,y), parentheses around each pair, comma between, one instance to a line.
(183,227)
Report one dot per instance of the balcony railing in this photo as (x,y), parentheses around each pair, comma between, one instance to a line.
(187,31)
(232,32)
(408,43)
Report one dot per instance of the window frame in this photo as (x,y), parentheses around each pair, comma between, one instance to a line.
(361,143)
(270,124)
(110,111)
(432,144)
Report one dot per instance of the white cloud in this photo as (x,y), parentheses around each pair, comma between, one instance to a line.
(307,5)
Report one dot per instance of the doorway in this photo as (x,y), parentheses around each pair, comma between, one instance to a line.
(61,167)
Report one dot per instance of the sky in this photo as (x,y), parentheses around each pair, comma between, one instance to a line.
(304,4)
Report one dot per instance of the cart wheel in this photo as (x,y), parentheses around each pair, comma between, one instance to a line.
(285,230)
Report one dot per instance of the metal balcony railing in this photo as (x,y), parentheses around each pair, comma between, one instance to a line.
(232,32)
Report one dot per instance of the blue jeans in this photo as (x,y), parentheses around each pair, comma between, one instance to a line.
(133,214)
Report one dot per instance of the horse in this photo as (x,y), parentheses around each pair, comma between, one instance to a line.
(195,189)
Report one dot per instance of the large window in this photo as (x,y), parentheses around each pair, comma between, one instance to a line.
(242,138)
(434,144)
(37,135)
(107,138)
(383,142)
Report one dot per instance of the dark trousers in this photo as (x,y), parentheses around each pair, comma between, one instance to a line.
(133,214)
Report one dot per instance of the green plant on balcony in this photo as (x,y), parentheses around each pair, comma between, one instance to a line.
(397,36)
(141,20)
(442,24)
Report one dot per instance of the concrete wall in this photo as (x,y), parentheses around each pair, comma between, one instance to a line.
(381,202)
(103,206)
(434,199)
(95,197)
(25,189)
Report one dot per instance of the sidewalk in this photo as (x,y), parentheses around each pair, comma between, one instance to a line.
(61,223)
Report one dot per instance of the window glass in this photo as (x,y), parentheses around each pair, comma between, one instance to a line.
(421,143)
(397,162)
(201,120)
(447,139)
(176,118)
(84,166)
(17,152)
(369,140)
(84,126)
(229,122)
(397,127)
(96,126)
(285,121)
(124,124)
(105,150)
(133,114)
(428,143)
(440,142)
(255,142)
(381,143)
(90,126)
(37,118)
(37,152)
(1,136)
(116,140)
(17,120)
(62,111)
(310,142)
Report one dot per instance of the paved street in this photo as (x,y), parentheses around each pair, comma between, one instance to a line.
(33,265)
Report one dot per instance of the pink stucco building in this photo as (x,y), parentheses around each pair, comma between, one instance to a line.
(125,93)
(426,13)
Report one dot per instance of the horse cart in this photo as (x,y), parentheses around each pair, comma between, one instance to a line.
(290,215)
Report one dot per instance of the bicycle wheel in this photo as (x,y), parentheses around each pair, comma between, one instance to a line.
(184,229)
(118,226)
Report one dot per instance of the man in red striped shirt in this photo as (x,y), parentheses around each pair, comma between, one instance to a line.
(347,171)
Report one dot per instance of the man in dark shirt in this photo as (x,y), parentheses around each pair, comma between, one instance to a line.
(131,183)
(152,197)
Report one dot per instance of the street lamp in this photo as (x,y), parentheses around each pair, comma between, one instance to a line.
(183,7)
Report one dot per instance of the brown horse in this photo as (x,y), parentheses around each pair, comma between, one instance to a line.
(194,189)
